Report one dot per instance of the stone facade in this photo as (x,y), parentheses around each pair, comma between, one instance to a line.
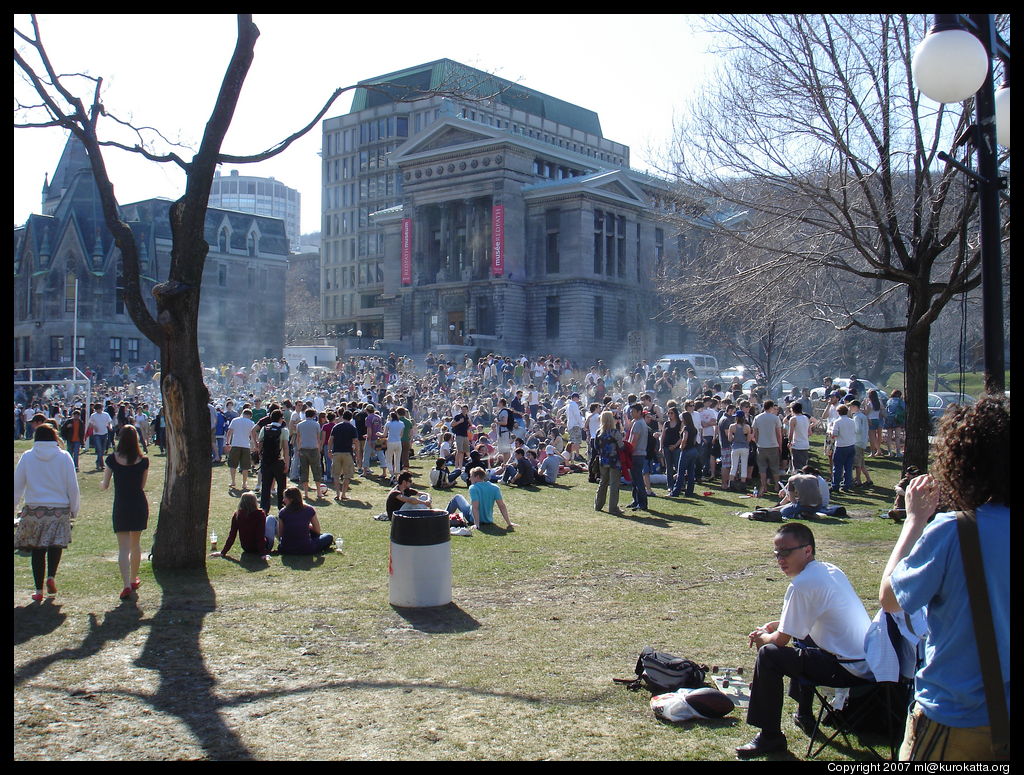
(580,248)
(68,248)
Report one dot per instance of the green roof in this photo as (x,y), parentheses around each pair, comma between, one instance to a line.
(446,73)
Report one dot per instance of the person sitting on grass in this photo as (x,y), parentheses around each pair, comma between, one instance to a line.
(519,472)
(403,493)
(298,529)
(550,466)
(251,525)
(441,478)
(480,508)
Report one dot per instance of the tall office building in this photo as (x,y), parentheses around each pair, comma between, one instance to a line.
(507,223)
(260,196)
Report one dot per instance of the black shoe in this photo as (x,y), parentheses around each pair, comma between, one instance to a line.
(762,745)
(804,723)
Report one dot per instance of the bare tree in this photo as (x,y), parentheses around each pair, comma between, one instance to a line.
(815,128)
(180,535)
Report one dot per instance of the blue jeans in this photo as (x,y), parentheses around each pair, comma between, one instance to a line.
(636,473)
(73,449)
(842,466)
(99,443)
(687,473)
(460,504)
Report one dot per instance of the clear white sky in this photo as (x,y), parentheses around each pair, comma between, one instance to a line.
(163,70)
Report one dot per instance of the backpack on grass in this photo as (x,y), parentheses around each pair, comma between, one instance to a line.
(662,672)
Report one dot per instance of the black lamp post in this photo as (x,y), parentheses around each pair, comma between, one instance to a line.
(953,64)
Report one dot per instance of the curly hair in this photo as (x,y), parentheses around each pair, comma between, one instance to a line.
(973,453)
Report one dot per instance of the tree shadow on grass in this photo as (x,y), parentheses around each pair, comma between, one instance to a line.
(442,618)
(174,651)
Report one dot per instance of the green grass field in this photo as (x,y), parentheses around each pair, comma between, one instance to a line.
(305,659)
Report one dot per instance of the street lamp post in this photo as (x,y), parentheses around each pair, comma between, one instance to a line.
(952,64)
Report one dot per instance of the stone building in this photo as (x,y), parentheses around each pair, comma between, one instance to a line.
(510,243)
(67,251)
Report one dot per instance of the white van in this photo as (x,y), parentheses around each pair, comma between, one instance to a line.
(705,366)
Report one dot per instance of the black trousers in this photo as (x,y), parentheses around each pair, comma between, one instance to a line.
(270,472)
(806,667)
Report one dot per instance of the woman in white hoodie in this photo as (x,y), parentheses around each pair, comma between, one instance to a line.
(45,476)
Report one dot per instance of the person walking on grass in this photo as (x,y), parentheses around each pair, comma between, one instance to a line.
(45,478)
(129,468)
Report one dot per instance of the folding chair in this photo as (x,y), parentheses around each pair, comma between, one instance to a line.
(862,701)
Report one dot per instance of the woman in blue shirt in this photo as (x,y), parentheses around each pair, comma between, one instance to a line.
(925,571)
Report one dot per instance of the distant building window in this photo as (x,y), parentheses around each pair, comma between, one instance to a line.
(57,349)
(115,348)
(80,348)
(133,351)
(251,244)
(552,315)
(222,275)
(70,286)
(222,240)
(552,222)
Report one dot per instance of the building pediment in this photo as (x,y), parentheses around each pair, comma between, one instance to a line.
(612,185)
(443,136)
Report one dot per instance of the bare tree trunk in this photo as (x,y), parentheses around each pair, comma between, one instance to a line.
(180,541)
(915,381)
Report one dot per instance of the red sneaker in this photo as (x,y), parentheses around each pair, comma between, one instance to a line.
(137,583)
(37,597)
(51,586)
(126,593)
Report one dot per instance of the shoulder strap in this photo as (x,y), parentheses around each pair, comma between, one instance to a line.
(984,632)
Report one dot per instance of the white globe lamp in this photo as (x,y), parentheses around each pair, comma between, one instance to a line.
(950,65)
(1003,116)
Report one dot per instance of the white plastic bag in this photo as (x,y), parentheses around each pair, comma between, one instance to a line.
(673,706)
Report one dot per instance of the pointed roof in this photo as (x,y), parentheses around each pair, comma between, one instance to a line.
(73,160)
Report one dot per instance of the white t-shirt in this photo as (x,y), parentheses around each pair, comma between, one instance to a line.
(821,602)
(240,428)
(800,426)
(845,430)
(100,422)
(593,424)
(707,414)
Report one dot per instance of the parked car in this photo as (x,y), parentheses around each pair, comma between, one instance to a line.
(939,404)
(705,366)
(736,372)
(819,392)
(777,390)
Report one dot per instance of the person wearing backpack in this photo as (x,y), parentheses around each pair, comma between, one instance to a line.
(506,423)
(274,459)
(895,420)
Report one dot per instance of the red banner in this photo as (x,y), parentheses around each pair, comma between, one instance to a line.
(498,240)
(407,251)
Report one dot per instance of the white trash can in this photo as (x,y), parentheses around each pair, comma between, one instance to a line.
(420,559)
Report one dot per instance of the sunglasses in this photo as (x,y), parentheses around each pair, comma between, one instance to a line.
(781,553)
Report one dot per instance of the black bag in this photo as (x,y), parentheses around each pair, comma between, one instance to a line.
(662,672)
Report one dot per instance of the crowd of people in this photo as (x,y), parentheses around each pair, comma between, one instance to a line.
(496,422)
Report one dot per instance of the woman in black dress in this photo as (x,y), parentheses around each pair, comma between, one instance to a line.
(129,468)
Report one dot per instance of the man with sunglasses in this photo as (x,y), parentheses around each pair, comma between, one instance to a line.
(818,640)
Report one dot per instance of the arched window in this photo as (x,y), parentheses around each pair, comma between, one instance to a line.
(251,244)
(222,240)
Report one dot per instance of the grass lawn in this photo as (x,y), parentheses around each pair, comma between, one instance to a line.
(974,382)
(306,659)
